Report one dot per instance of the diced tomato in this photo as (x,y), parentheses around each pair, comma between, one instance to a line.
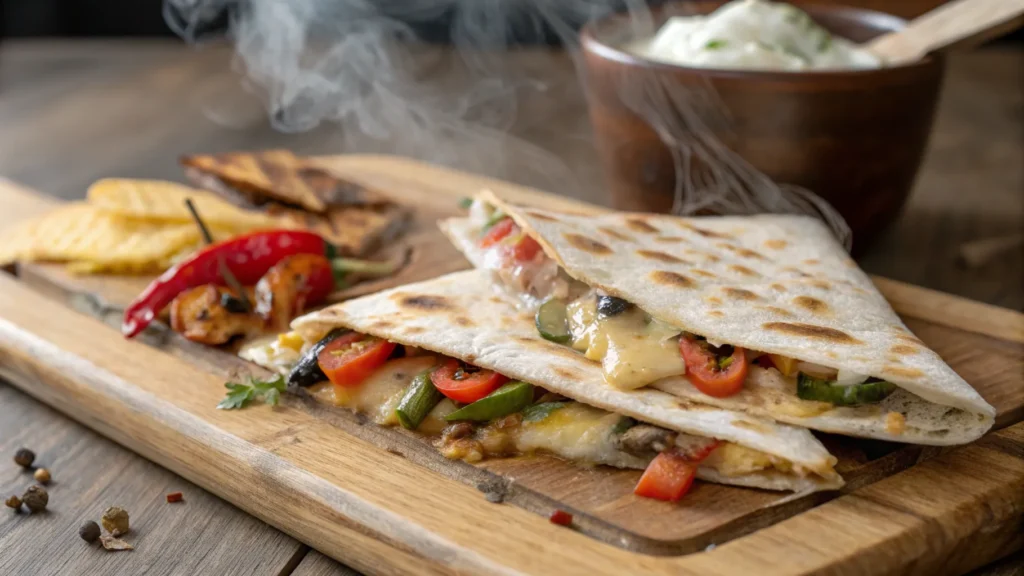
(695,448)
(525,249)
(465,383)
(560,517)
(517,246)
(349,360)
(711,374)
(668,477)
(498,232)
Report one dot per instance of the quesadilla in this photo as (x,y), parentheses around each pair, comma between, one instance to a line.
(448,357)
(766,315)
(355,218)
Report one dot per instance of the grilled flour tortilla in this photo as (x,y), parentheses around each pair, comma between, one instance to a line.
(460,316)
(778,285)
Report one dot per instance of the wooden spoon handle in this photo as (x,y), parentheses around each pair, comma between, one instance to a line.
(956,24)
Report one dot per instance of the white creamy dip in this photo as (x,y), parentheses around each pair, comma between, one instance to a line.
(753,34)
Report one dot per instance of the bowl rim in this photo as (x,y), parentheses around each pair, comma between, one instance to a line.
(590,42)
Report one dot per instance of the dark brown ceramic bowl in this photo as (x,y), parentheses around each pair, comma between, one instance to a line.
(854,137)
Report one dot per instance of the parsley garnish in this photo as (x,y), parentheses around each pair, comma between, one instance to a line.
(715,44)
(541,411)
(239,395)
(724,362)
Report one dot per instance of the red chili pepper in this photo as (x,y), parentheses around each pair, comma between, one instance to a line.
(247,257)
(560,517)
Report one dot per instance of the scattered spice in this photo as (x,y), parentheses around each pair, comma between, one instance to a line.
(115,544)
(42,475)
(13,502)
(174,497)
(115,521)
(35,498)
(24,457)
(560,517)
(90,531)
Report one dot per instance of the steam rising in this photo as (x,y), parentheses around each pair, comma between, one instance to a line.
(364,65)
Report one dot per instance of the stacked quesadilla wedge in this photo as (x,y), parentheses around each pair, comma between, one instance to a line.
(452,359)
(765,315)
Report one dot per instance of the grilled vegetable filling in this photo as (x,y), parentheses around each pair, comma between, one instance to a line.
(474,413)
(634,349)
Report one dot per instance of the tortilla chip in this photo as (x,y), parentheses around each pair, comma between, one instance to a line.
(160,200)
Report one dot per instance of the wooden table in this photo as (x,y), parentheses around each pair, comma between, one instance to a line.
(73,112)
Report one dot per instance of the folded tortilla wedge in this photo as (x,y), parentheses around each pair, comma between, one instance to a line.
(828,351)
(459,316)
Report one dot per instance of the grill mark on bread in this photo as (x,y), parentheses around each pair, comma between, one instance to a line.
(581,242)
(811,304)
(672,279)
(422,302)
(641,225)
(812,331)
(740,294)
(616,234)
(902,372)
(743,270)
(704,232)
(663,257)
(904,349)
(776,310)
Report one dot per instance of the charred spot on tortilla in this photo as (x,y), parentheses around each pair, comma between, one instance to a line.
(811,304)
(778,287)
(703,273)
(672,279)
(831,354)
(415,330)
(567,374)
(581,242)
(740,251)
(703,232)
(616,234)
(641,225)
(901,372)
(463,321)
(496,300)
(706,255)
(715,300)
(656,255)
(382,325)
(796,272)
(743,270)
(776,244)
(670,239)
(425,302)
(812,331)
(812,261)
(716,313)
(819,283)
(740,293)
(755,426)
(542,216)
(904,349)
(778,311)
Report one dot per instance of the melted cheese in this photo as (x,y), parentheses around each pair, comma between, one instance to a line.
(579,433)
(379,395)
(632,350)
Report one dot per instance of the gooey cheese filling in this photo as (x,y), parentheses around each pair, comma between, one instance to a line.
(576,432)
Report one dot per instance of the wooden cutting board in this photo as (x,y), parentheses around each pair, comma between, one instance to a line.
(384,500)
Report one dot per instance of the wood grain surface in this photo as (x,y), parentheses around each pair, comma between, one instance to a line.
(107,108)
(446,185)
(90,473)
(940,514)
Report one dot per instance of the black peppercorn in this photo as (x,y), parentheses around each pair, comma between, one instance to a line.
(35,498)
(24,457)
(90,531)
